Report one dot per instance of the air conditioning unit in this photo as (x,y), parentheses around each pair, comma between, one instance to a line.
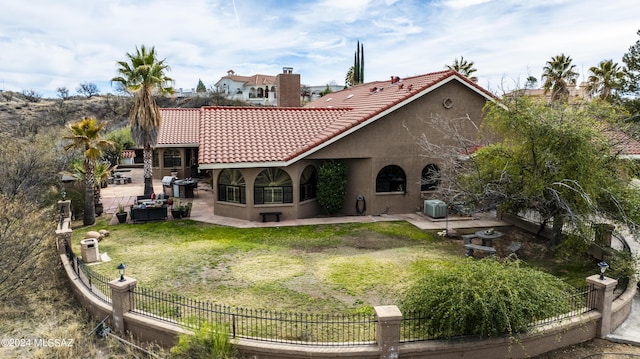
(435,208)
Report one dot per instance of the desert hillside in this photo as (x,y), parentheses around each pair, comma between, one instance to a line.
(23,115)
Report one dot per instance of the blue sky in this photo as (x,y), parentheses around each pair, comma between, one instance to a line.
(48,44)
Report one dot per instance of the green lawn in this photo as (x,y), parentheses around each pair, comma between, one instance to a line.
(321,268)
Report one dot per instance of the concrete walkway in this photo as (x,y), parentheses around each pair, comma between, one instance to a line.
(202,210)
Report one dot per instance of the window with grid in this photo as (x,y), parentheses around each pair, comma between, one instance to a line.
(273,186)
(172,158)
(231,187)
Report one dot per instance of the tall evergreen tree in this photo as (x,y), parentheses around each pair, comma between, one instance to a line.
(355,76)
(631,83)
(201,88)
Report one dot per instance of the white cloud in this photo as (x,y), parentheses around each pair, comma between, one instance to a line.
(45,45)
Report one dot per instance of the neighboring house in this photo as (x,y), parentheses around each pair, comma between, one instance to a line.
(264,159)
(576,94)
(256,89)
(315,92)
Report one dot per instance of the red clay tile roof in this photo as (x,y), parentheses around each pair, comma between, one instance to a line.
(256,80)
(179,126)
(234,135)
(374,97)
(626,145)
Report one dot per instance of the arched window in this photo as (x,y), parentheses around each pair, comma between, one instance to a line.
(273,186)
(171,158)
(391,179)
(430,178)
(231,186)
(308,183)
(260,92)
(252,92)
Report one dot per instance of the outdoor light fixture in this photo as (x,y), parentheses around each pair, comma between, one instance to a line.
(603,267)
(64,195)
(121,268)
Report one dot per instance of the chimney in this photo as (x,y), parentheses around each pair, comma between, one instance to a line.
(288,88)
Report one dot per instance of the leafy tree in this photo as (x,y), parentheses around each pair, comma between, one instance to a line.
(121,140)
(631,59)
(85,136)
(332,186)
(464,67)
(327,90)
(605,79)
(88,89)
(144,75)
(201,88)
(559,76)
(555,161)
(485,297)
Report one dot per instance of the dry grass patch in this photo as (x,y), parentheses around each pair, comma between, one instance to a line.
(267,267)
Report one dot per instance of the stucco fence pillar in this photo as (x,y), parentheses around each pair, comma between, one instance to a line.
(121,301)
(388,331)
(604,302)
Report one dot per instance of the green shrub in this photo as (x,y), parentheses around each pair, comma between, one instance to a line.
(332,186)
(485,297)
(207,341)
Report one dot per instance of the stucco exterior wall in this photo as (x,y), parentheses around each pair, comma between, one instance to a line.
(392,140)
(251,211)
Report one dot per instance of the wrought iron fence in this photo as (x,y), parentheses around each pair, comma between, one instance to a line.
(414,325)
(264,325)
(94,282)
(581,301)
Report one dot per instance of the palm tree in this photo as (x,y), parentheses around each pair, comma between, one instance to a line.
(349,79)
(144,75)
(102,170)
(463,67)
(85,136)
(559,74)
(604,79)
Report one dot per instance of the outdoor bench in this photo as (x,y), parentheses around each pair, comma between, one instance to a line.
(469,248)
(265,214)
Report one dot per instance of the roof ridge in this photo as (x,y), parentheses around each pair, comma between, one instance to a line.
(274,108)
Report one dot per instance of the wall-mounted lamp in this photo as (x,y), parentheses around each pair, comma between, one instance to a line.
(121,268)
(603,267)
